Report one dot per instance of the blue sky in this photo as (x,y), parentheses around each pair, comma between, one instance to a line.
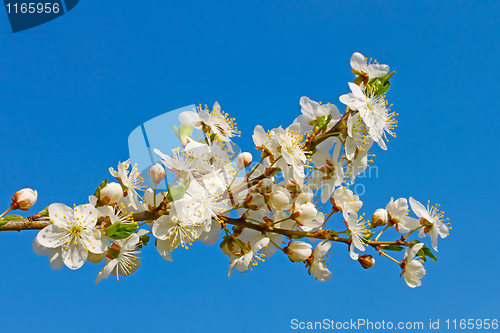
(73,89)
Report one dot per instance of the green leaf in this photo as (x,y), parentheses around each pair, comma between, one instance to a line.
(184,132)
(109,231)
(428,253)
(380,85)
(103,184)
(321,122)
(9,218)
(392,247)
(176,193)
(421,254)
(383,89)
(123,231)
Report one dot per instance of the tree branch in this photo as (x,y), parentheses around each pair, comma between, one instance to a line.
(29,223)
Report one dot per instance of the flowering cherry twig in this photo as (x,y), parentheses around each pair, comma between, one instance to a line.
(274,204)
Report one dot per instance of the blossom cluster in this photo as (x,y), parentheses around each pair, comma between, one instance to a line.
(283,203)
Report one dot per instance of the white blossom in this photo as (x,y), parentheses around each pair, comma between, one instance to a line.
(413,269)
(431,217)
(72,234)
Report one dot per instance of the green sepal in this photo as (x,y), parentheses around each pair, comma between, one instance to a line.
(103,184)
(114,251)
(144,239)
(6,219)
(176,131)
(391,247)
(205,140)
(176,193)
(212,138)
(380,85)
(369,236)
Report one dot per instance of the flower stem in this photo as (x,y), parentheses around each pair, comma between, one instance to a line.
(255,167)
(376,238)
(388,256)
(8,210)
(408,234)
(276,245)
(154,198)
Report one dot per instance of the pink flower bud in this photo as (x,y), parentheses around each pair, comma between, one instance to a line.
(243,160)
(380,217)
(110,194)
(298,251)
(366,261)
(157,174)
(24,199)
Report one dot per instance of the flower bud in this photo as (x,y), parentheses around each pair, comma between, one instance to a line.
(279,198)
(306,212)
(298,251)
(157,174)
(243,160)
(366,261)
(24,199)
(379,218)
(254,201)
(109,194)
(229,247)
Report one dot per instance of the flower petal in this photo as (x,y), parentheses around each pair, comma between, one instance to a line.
(94,241)
(211,237)
(39,249)
(60,214)
(358,62)
(74,255)
(321,249)
(106,270)
(55,258)
(165,247)
(52,236)
(419,209)
(320,272)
